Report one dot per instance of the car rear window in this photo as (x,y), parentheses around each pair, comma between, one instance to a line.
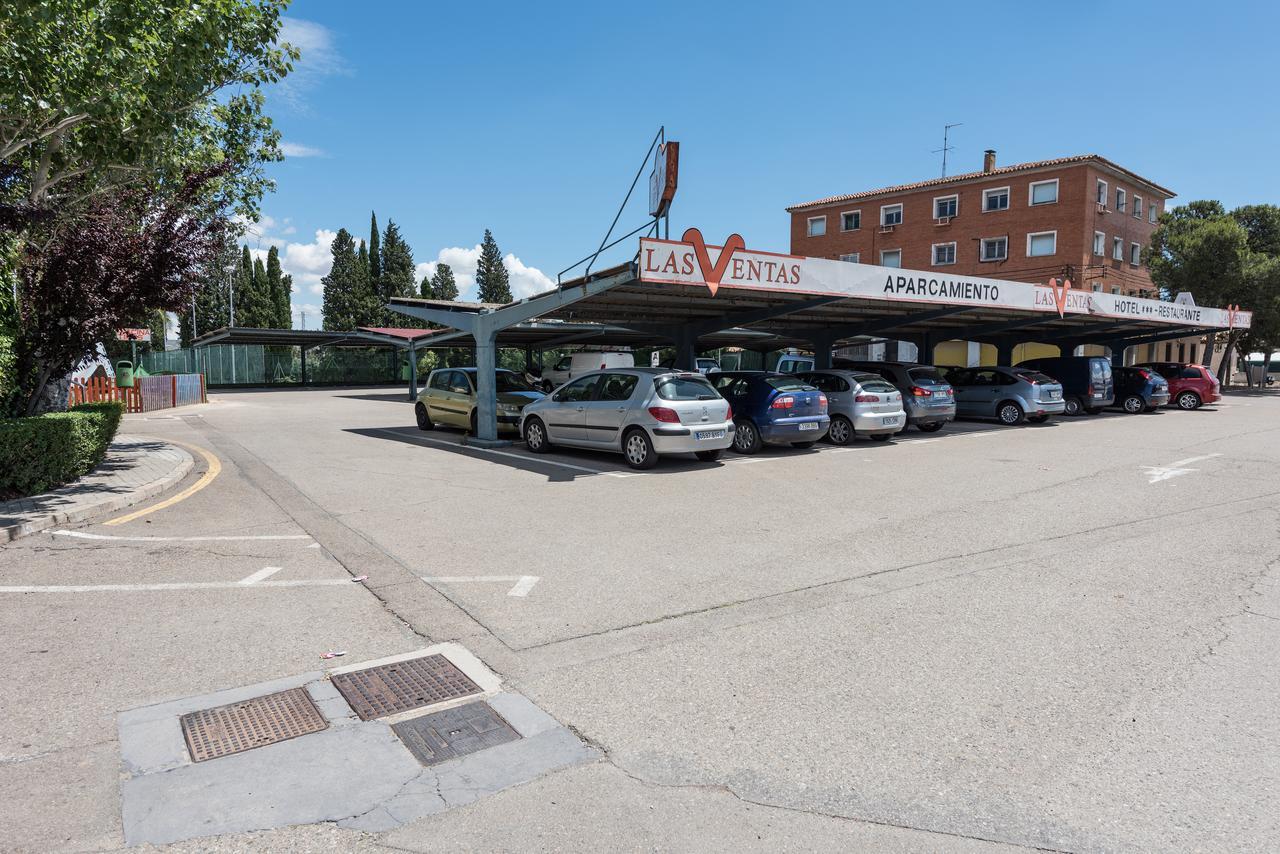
(685,388)
(788,384)
(875,384)
(1036,377)
(926,375)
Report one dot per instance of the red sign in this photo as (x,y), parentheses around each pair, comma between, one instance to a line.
(1060,290)
(133,335)
(662,180)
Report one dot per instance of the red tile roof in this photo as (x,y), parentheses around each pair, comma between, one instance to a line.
(971,176)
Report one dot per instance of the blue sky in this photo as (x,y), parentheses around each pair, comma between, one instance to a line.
(530,119)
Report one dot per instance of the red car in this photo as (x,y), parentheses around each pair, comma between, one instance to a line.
(1190,386)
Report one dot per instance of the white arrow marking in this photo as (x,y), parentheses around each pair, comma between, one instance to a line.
(265,572)
(524,583)
(85,535)
(1174,469)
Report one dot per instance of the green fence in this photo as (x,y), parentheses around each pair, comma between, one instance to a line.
(258,364)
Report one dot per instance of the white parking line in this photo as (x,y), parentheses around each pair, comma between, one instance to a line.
(265,572)
(85,535)
(183,585)
(523,457)
(524,583)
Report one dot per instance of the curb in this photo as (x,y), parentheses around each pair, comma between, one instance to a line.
(108,504)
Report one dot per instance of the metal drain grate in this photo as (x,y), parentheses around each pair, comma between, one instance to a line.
(392,688)
(252,723)
(454,732)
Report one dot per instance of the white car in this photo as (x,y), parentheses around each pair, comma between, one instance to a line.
(576,364)
(638,412)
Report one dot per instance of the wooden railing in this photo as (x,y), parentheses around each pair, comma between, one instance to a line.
(147,393)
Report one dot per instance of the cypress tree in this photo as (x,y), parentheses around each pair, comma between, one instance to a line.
(263,305)
(243,305)
(375,251)
(342,285)
(365,308)
(491,274)
(443,285)
(424,288)
(275,290)
(397,272)
(286,302)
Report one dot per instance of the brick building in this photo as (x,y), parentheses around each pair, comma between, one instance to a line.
(1081,217)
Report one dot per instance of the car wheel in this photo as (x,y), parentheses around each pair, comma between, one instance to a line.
(708,456)
(424,420)
(881,437)
(1188,400)
(931,428)
(474,428)
(1134,404)
(802,445)
(746,439)
(535,436)
(1074,407)
(841,432)
(1010,413)
(638,450)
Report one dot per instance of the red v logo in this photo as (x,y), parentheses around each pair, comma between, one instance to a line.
(1232,310)
(1060,294)
(712,274)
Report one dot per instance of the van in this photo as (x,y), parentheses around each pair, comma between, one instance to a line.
(1087,383)
(584,361)
(793,363)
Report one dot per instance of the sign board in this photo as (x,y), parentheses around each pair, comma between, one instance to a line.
(662,180)
(133,335)
(691,262)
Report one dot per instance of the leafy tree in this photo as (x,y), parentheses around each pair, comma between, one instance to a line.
(397,272)
(211,301)
(159,326)
(1262,224)
(94,95)
(443,285)
(491,274)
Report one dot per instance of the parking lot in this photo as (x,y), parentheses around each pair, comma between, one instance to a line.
(1055,636)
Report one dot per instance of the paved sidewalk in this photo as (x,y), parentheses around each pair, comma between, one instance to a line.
(133,470)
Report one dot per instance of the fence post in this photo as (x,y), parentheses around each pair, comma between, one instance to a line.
(173,394)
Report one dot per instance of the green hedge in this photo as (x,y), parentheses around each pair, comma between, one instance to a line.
(37,454)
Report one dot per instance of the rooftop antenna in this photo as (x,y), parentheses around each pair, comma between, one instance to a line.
(946,132)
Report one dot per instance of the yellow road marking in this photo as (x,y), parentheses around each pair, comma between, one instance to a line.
(214,468)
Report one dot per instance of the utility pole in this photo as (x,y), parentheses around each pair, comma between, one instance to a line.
(946,132)
(304,319)
(231,290)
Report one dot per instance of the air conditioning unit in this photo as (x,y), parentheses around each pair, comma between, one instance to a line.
(942,220)
(1102,207)
(885,229)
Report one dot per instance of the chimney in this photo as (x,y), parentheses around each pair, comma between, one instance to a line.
(989,160)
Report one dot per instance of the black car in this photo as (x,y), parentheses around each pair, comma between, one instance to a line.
(1139,389)
(1087,381)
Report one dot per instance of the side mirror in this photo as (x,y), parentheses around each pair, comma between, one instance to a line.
(558,397)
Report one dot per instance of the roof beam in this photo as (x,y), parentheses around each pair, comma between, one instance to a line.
(973,333)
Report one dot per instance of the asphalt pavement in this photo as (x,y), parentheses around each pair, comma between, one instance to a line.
(1055,636)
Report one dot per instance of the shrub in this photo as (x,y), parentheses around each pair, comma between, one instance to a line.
(39,453)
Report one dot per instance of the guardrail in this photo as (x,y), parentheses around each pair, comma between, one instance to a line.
(147,393)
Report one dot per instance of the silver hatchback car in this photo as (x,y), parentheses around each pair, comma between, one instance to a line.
(859,403)
(639,412)
(1010,395)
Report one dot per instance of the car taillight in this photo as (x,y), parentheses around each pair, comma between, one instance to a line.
(822,402)
(1146,375)
(728,414)
(867,398)
(921,392)
(1089,391)
(786,401)
(662,413)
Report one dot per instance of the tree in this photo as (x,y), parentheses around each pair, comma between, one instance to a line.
(443,285)
(95,95)
(397,272)
(211,301)
(375,252)
(264,306)
(124,255)
(278,291)
(286,303)
(347,298)
(491,274)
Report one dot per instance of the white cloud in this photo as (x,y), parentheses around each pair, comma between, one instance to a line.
(320,59)
(297,149)
(525,280)
(308,263)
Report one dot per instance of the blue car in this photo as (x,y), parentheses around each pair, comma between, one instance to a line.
(774,409)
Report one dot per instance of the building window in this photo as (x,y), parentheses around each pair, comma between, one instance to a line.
(1097,288)
(817,226)
(945,206)
(1042,243)
(944,253)
(1120,199)
(996,199)
(1102,193)
(891,214)
(851,220)
(1117,248)
(891,258)
(1137,206)
(1115,289)
(995,248)
(1152,213)
(1135,254)
(1099,243)
(852,257)
(1044,192)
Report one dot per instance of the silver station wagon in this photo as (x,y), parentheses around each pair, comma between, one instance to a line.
(638,412)
(860,404)
(1010,395)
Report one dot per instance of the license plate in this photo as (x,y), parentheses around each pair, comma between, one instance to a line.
(709,434)
(892,420)
(1054,395)
(808,425)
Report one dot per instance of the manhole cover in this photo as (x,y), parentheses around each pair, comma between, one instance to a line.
(252,723)
(391,688)
(454,732)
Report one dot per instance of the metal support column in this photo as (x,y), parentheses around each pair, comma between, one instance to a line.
(1117,349)
(821,351)
(413,373)
(686,357)
(303,350)
(486,336)
(1004,353)
(925,348)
